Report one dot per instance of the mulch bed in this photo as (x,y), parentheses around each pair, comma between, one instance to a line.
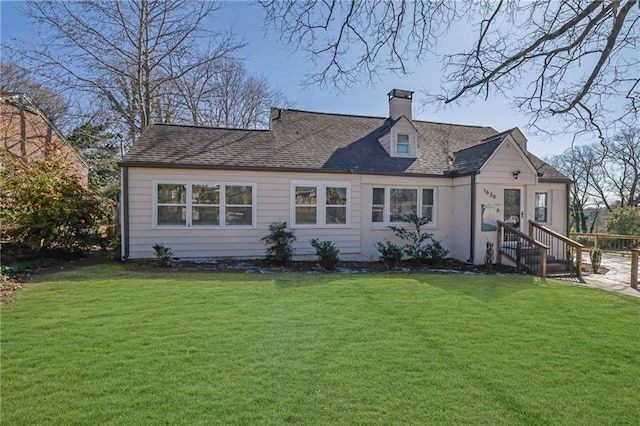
(260,266)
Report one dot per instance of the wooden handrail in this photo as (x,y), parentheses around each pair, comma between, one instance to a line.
(598,234)
(523,235)
(544,249)
(557,235)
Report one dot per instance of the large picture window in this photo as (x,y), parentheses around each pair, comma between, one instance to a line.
(322,204)
(204,204)
(392,205)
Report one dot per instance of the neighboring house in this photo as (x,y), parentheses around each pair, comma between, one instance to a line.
(25,132)
(211,192)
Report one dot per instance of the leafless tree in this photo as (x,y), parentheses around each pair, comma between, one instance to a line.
(123,51)
(604,174)
(622,167)
(574,59)
(223,94)
(15,79)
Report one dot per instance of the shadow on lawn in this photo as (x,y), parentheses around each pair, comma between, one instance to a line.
(485,288)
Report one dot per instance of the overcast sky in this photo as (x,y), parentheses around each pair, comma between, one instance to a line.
(285,69)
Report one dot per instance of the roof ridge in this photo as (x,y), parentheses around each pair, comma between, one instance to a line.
(380,118)
(193,126)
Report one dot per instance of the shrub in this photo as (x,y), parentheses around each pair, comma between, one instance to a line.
(164,255)
(488,257)
(327,253)
(44,207)
(420,246)
(596,260)
(279,240)
(115,247)
(390,253)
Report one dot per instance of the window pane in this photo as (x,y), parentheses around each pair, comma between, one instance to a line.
(378,196)
(172,215)
(336,196)
(541,199)
(377,208)
(402,145)
(205,194)
(238,195)
(305,215)
(336,215)
(427,197)
(541,214)
(238,216)
(205,216)
(306,195)
(377,214)
(402,203)
(169,193)
(427,212)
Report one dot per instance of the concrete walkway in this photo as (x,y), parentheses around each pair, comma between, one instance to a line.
(617,277)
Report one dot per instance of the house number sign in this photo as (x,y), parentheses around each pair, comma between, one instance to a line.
(489,193)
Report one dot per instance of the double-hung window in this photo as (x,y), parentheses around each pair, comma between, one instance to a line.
(393,205)
(541,207)
(402,144)
(204,204)
(320,203)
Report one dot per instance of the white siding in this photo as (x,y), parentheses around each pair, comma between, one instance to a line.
(500,167)
(443,229)
(273,204)
(460,213)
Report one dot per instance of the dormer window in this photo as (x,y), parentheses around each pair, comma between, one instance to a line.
(402,144)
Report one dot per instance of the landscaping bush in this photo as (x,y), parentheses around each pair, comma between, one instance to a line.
(390,253)
(488,257)
(44,207)
(328,254)
(596,260)
(115,247)
(164,255)
(280,244)
(420,246)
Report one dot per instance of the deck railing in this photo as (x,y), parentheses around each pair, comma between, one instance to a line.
(527,253)
(608,242)
(562,250)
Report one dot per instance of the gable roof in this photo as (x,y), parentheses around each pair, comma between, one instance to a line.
(473,158)
(305,141)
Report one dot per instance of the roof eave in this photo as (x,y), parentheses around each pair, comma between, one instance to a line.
(282,169)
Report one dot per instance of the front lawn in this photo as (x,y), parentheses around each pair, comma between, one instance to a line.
(106,344)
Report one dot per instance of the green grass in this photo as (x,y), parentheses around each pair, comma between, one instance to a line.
(107,345)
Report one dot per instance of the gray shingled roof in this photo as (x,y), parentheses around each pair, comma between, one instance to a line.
(473,158)
(309,141)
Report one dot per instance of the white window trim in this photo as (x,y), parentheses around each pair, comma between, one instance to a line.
(189,205)
(412,144)
(387,205)
(548,221)
(321,204)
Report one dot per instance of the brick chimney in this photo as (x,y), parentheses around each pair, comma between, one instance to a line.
(400,103)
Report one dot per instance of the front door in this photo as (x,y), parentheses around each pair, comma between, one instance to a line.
(512,207)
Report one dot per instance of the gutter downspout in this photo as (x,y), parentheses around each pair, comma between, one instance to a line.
(472,237)
(124,216)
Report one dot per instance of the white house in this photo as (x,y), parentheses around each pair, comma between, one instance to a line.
(212,192)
